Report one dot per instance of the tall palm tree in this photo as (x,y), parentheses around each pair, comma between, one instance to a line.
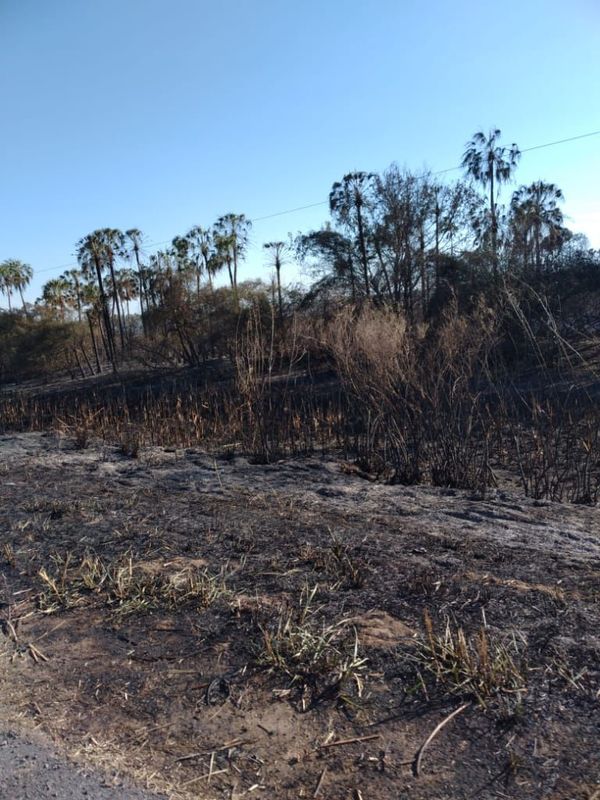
(114,246)
(233,232)
(133,248)
(23,273)
(180,250)
(224,255)
(127,287)
(7,282)
(201,250)
(55,295)
(74,278)
(92,258)
(278,251)
(14,275)
(491,164)
(536,213)
(348,201)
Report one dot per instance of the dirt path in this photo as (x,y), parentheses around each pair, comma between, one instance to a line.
(31,770)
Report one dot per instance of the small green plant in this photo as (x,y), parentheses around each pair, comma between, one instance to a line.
(318,659)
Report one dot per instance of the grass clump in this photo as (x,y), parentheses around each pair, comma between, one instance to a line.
(126,586)
(339,562)
(318,659)
(478,666)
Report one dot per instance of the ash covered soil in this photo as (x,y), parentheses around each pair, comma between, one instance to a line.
(181,694)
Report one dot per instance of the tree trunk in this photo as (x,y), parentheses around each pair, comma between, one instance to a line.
(142,283)
(494,237)
(363,249)
(278,270)
(111,265)
(109,343)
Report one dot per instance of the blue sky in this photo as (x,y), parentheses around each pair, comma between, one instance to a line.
(161,115)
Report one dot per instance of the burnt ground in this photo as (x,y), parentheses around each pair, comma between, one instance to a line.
(178,697)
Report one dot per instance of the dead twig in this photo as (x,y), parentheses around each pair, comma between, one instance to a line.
(356,739)
(320,782)
(433,734)
(205,776)
(36,654)
(228,746)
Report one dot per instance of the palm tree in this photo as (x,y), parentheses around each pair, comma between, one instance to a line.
(14,274)
(92,258)
(55,295)
(489,163)
(114,246)
(7,282)
(74,278)
(232,234)
(201,250)
(278,252)
(90,298)
(180,250)
(127,287)
(536,213)
(348,200)
(23,273)
(133,247)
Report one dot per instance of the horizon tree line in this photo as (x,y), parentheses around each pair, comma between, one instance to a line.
(393,238)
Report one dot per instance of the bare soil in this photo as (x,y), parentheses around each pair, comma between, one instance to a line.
(177,699)
(30,770)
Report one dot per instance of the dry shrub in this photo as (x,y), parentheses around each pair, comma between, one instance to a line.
(416,390)
(410,402)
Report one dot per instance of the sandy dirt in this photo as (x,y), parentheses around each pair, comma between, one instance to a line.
(30,770)
(176,698)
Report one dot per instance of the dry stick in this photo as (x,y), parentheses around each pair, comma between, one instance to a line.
(12,630)
(433,734)
(320,783)
(205,776)
(37,653)
(55,628)
(234,743)
(349,741)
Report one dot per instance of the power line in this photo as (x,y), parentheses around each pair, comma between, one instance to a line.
(326,202)
(561,141)
(290,211)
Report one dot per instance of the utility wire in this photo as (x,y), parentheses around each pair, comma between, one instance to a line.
(326,202)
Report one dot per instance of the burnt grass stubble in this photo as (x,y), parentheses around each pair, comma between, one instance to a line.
(180,695)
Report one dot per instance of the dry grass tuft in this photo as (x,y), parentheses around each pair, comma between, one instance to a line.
(125,586)
(477,666)
(339,562)
(319,660)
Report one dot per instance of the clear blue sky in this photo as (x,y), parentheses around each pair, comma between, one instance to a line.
(161,114)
